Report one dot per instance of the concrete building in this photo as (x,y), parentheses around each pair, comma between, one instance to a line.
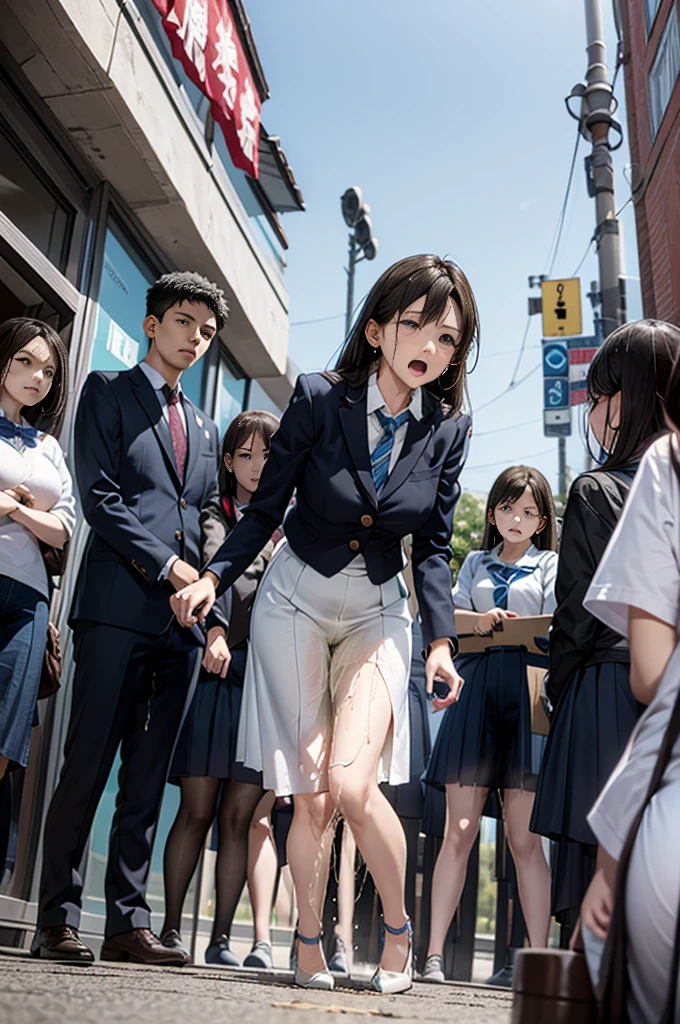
(651,47)
(112,171)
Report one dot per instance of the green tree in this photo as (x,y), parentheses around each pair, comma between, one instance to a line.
(468,529)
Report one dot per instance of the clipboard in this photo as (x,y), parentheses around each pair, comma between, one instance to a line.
(518,632)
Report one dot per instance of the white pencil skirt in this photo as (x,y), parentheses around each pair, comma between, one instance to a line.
(308,636)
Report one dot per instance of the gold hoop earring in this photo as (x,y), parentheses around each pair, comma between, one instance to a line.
(456,381)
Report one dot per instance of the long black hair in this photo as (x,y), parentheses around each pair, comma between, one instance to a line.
(509,488)
(672,406)
(403,283)
(635,360)
(256,423)
(17,333)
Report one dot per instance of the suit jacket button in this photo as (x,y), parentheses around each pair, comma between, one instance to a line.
(179,535)
(354,545)
(183,504)
(366,521)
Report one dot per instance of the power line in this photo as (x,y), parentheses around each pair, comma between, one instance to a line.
(585,256)
(503,462)
(511,426)
(316,320)
(557,238)
(511,387)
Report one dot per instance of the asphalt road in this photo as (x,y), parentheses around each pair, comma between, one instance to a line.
(33,992)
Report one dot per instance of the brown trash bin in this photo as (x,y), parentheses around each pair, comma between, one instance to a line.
(552,986)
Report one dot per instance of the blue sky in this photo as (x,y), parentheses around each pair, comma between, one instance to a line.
(450,116)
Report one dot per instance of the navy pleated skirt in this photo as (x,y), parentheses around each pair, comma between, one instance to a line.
(206,746)
(485,738)
(23,633)
(591,726)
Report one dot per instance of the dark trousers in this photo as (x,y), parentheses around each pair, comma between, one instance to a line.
(129,690)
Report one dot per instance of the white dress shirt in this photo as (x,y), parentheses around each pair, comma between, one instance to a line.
(158,382)
(375,401)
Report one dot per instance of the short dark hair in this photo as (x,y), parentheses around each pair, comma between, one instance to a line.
(403,283)
(509,487)
(254,422)
(185,285)
(17,333)
(637,361)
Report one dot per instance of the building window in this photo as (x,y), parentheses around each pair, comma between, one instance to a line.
(119,341)
(32,206)
(651,8)
(664,73)
(230,395)
(259,399)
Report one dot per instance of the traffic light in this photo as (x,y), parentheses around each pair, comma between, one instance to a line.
(355,214)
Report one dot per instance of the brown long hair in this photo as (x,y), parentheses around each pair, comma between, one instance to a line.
(17,333)
(256,421)
(403,283)
(636,360)
(672,406)
(509,487)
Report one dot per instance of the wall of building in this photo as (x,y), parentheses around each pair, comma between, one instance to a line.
(655,155)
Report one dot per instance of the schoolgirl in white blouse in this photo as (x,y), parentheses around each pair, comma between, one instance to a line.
(36,505)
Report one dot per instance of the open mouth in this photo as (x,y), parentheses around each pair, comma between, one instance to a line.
(418,367)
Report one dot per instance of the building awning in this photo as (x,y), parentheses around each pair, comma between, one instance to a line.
(276,177)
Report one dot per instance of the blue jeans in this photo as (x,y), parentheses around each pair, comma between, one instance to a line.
(23,632)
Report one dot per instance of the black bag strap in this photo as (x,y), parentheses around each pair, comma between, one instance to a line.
(613,985)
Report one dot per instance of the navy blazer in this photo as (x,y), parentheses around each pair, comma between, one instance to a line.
(321,448)
(132,497)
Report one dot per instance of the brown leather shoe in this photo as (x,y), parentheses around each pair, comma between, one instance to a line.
(61,943)
(141,946)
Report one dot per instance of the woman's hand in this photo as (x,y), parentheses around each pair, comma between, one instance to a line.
(439,665)
(21,494)
(217,657)
(598,902)
(7,503)
(488,620)
(192,603)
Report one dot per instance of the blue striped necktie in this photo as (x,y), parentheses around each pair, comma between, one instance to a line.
(380,456)
(503,576)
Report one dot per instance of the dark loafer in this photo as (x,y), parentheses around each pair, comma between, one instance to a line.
(142,946)
(218,954)
(61,943)
(260,956)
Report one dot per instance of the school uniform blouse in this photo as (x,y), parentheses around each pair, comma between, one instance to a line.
(43,470)
(641,569)
(530,594)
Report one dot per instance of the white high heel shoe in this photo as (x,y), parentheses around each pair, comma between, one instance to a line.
(392,982)
(320,979)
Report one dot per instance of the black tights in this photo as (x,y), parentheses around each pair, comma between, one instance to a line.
(199,804)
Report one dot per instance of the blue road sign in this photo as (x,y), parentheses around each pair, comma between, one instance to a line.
(555,392)
(555,358)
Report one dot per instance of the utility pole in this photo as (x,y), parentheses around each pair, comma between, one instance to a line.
(596,120)
(361,240)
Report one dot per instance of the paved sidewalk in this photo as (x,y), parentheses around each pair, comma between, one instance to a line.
(35,992)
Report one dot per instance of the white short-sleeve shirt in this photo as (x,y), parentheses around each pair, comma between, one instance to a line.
(532,594)
(641,569)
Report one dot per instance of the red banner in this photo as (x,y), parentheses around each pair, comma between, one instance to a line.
(203,37)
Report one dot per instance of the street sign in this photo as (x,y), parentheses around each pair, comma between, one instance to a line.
(555,392)
(555,359)
(581,354)
(557,422)
(561,303)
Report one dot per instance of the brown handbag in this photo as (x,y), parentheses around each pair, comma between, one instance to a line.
(50,678)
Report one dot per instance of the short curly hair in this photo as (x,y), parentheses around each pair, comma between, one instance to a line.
(181,285)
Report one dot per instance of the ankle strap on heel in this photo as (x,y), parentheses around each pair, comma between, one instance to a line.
(406,927)
(309,942)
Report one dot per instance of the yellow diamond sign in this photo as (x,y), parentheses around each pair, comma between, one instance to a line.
(561,308)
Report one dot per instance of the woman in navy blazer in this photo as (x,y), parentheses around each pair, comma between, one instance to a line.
(374,451)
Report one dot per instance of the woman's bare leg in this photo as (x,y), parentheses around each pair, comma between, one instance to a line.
(464,805)
(533,873)
(346,888)
(309,845)
(363,723)
(262,867)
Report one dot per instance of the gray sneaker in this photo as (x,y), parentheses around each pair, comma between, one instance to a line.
(260,956)
(433,969)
